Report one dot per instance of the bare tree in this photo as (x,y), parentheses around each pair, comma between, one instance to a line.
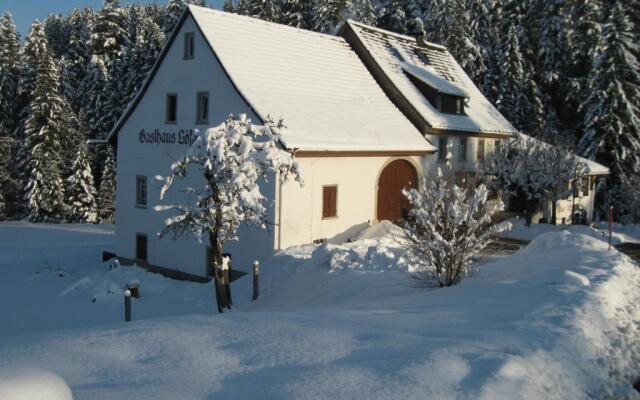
(231,158)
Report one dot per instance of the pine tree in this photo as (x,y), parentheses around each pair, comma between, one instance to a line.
(146,49)
(94,96)
(44,127)
(9,75)
(80,189)
(297,13)
(329,14)
(57,31)
(510,90)
(612,107)
(267,10)
(449,23)
(77,58)
(107,190)
(173,11)
(108,34)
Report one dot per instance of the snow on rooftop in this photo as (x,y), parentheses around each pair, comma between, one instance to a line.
(481,115)
(315,82)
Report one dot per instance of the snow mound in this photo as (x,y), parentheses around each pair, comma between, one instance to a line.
(382,230)
(577,279)
(33,385)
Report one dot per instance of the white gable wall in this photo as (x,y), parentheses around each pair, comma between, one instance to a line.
(185,78)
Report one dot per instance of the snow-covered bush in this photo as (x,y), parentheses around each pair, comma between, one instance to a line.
(448,226)
(232,158)
(529,171)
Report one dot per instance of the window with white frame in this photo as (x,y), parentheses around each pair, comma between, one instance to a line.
(442,149)
(141,191)
(189,45)
(481,150)
(202,108)
(462,150)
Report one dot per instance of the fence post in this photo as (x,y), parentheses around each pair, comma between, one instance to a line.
(256,279)
(127,305)
(610,224)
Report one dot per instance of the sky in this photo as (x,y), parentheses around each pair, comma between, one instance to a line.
(25,11)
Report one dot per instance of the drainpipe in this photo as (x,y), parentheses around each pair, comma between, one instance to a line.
(279,212)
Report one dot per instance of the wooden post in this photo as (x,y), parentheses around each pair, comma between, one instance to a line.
(610,224)
(256,279)
(226,274)
(127,305)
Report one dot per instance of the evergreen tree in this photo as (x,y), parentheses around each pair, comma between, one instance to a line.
(297,13)
(107,190)
(108,34)
(77,58)
(391,16)
(449,23)
(611,109)
(80,189)
(44,127)
(267,10)
(94,96)
(173,11)
(9,75)
(510,90)
(146,49)
(57,31)
(331,14)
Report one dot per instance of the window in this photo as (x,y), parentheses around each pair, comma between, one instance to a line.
(141,247)
(202,108)
(462,151)
(189,45)
(498,144)
(585,186)
(329,201)
(141,190)
(481,150)
(172,108)
(442,149)
(459,106)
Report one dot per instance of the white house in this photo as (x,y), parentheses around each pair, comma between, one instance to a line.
(362,110)
(429,86)
(348,136)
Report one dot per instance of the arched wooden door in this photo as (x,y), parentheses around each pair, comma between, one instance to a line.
(395,176)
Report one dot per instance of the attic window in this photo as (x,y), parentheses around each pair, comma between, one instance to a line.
(189,45)
(445,103)
(423,57)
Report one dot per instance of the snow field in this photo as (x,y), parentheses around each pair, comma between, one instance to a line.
(335,321)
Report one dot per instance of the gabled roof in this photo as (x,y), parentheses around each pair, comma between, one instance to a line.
(398,55)
(315,82)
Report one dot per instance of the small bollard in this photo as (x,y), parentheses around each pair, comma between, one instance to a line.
(127,305)
(134,288)
(256,279)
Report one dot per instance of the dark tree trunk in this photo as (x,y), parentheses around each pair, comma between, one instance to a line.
(553,212)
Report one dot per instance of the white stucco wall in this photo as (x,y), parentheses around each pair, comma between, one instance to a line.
(186,78)
(471,164)
(357,180)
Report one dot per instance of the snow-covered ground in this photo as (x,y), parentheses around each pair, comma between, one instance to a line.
(557,320)
(620,233)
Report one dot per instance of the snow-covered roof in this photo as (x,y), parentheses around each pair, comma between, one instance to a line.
(398,55)
(328,99)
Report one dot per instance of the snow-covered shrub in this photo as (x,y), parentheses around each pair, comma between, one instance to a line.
(232,158)
(529,171)
(448,227)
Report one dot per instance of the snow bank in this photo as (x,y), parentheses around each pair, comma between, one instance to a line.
(620,234)
(33,385)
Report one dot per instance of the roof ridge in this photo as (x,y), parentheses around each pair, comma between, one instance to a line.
(268,23)
(398,35)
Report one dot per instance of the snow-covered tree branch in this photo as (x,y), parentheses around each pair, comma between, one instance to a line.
(447,228)
(232,158)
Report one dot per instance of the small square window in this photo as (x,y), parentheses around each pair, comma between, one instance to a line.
(202,108)
(141,247)
(189,45)
(442,148)
(329,201)
(141,190)
(172,108)
(585,186)
(462,151)
(481,150)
